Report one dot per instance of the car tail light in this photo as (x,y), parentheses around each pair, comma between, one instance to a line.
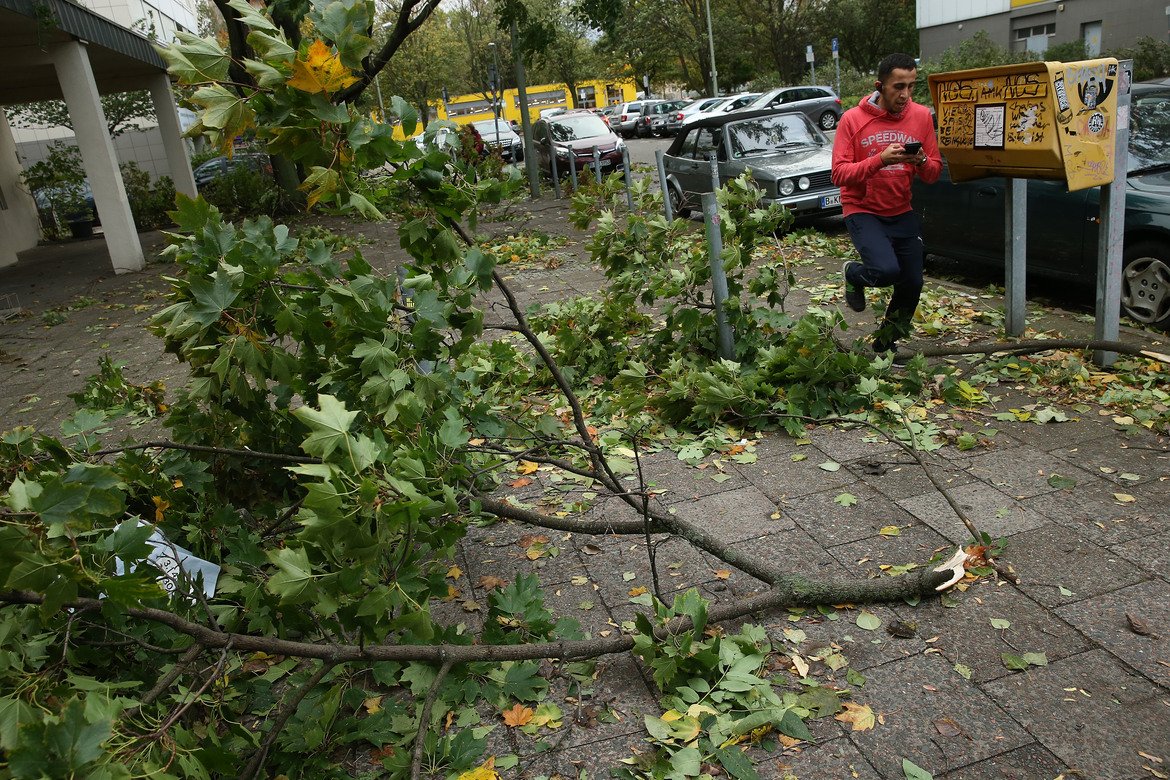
(678,116)
(624,117)
(838,101)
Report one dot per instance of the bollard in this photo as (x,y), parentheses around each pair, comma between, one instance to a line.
(597,163)
(718,276)
(573,169)
(626,177)
(666,207)
(714,172)
(552,157)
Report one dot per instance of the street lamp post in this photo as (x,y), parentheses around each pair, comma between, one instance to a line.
(711,45)
(496,90)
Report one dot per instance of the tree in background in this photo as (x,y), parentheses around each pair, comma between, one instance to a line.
(123,110)
(430,59)
(866,30)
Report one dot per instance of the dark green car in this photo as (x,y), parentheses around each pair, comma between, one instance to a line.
(965,221)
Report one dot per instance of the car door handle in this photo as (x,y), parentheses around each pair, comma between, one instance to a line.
(987,192)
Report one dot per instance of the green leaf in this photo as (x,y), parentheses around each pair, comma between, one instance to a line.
(329,426)
(1061,483)
(964,671)
(405,113)
(1000,623)
(868,621)
(685,763)
(854,677)
(915,772)
(1013,662)
(829,465)
(212,297)
(1035,659)
(293,582)
(845,499)
(736,762)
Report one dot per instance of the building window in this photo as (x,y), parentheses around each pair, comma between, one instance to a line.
(551,97)
(469,107)
(1025,33)
(586,97)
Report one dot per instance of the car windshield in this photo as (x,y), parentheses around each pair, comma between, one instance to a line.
(1149,138)
(577,127)
(770,134)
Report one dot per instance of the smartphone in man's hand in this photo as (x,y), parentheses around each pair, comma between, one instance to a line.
(914,147)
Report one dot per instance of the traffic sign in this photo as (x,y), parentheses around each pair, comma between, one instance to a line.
(808,54)
(835,53)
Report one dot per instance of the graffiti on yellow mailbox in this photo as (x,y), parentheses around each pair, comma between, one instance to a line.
(1048,120)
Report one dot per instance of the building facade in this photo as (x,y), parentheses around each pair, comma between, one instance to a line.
(159,19)
(1034,25)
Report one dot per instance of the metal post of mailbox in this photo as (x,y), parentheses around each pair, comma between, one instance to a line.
(552,162)
(662,181)
(626,179)
(1015,253)
(1110,239)
(573,170)
(597,164)
(714,172)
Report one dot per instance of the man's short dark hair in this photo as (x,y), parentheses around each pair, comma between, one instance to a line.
(894,62)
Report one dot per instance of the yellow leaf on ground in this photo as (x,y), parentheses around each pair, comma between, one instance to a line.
(526,467)
(723,574)
(454,572)
(638,591)
(518,715)
(373,705)
(321,71)
(485,771)
(490,581)
(1123,498)
(860,716)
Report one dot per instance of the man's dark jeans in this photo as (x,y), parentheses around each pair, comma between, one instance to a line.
(891,254)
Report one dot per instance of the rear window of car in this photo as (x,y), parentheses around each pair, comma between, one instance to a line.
(577,127)
(768,134)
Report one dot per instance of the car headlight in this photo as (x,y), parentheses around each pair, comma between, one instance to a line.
(803,182)
(786,186)
(562,151)
(620,144)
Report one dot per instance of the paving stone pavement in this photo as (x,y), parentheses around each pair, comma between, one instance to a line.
(1088,562)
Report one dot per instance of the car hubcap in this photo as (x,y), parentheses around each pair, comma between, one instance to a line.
(827,121)
(1145,293)
(675,201)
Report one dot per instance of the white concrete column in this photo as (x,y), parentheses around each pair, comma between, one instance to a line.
(172,134)
(19,228)
(79,89)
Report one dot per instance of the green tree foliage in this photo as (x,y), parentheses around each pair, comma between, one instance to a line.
(433,57)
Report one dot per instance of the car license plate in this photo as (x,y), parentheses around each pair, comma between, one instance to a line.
(831,200)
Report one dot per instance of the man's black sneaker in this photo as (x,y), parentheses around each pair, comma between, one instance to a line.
(854,295)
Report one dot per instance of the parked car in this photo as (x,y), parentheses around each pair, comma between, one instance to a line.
(692,110)
(51,200)
(730,103)
(216,167)
(966,220)
(820,104)
(655,115)
(625,119)
(786,154)
(574,135)
(498,136)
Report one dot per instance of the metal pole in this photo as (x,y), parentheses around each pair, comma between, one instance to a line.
(662,182)
(711,48)
(714,171)
(626,178)
(496,91)
(1110,238)
(530,156)
(552,163)
(573,171)
(726,342)
(597,164)
(1015,250)
(837,65)
(381,105)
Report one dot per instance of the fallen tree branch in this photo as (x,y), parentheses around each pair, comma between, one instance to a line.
(794,591)
(1038,345)
(424,717)
(287,709)
(174,445)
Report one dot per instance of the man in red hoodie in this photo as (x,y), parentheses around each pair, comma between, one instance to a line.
(881,145)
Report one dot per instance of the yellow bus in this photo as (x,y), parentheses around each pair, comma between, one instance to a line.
(596,93)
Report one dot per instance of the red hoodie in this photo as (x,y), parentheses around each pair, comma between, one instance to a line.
(865,131)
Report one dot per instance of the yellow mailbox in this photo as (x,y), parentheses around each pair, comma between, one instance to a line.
(1036,120)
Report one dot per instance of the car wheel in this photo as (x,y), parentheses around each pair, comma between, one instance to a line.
(828,120)
(676,203)
(1145,283)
